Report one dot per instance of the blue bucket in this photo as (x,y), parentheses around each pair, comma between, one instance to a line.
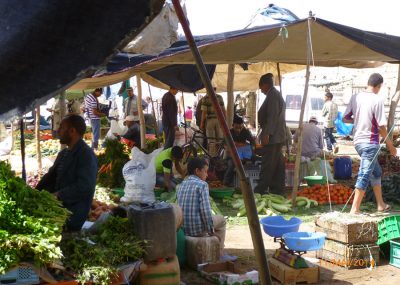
(342,167)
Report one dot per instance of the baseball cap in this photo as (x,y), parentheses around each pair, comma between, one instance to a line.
(129,89)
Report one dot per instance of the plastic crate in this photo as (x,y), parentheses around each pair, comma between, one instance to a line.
(252,172)
(388,229)
(395,253)
(23,275)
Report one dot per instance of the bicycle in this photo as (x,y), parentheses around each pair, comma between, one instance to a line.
(195,144)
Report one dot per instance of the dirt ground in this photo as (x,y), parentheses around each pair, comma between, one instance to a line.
(238,242)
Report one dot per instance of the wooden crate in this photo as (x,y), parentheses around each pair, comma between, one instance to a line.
(349,256)
(288,275)
(357,232)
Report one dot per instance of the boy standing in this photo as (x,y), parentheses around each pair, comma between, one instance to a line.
(367,112)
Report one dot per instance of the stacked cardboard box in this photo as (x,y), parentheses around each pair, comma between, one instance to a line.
(351,240)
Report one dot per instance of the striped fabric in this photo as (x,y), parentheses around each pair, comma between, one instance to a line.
(90,104)
(193,198)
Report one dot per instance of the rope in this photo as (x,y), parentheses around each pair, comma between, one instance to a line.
(325,163)
(376,154)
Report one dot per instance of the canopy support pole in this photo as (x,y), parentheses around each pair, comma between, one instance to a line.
(37,135)
(142,123)
(21,126)
(248,195)
(63,111)
(300,129)
(393,105)
(153,110)
(184,115)
(230,104)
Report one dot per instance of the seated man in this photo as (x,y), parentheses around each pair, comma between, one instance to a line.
(164,162)
(72,178)
(312,139)
(245,145)
(193,198)
(132,136)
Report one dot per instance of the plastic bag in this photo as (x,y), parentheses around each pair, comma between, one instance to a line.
(140,177)
(342,129)
(116,127)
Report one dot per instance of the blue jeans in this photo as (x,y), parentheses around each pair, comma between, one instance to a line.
(370,170)
(329,138)
(95,123)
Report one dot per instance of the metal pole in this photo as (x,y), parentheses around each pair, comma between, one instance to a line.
(140,110)
(63,111)
(153,110)
(248,195)
(21,126)
(184,115)
(300,129)
(37,135)
(230,104)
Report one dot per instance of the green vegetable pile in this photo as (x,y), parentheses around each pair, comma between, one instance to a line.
(268,204)
(116,156)
(31,222)
(96,256)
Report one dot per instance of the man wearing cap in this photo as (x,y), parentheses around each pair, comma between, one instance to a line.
(133,133)
(93,112)
(312,139)
(169,116)
(329,112)
(130,107)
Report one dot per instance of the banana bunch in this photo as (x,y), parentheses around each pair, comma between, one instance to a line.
(268,204)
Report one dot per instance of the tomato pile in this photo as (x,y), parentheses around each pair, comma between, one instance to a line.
(339,193)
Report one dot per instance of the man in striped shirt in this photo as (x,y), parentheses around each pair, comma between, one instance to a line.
(193,198)
(94,114)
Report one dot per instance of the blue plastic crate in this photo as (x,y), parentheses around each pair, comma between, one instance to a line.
(23,275)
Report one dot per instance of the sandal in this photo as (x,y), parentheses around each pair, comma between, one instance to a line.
(387,208)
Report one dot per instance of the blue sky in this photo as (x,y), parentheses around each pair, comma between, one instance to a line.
(214,16)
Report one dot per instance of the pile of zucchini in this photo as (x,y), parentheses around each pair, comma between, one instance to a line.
(268,204)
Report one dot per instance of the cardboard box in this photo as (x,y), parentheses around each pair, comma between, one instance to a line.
(225,273)
(340,227)
(289,275)
(349,256)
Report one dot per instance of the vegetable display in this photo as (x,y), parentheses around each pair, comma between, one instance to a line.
(111,163)
(390,189)
(339,193)
(31,222)
(94,257)
(103,201)
(268,204)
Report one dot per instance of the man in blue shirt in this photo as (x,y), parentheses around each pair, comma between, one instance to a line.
(72,178)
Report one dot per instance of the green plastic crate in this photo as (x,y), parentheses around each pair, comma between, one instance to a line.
(388,229)
(395,253)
